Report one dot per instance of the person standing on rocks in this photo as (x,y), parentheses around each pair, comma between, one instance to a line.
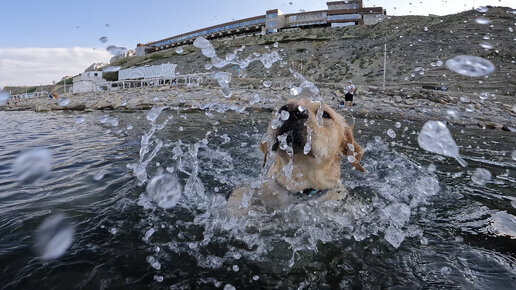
(349,93)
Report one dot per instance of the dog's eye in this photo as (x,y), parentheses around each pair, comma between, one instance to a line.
(326,115)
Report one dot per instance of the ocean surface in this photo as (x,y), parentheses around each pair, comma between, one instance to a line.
(87,220)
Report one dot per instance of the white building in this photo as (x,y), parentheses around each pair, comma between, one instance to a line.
(87,82)
(165,70)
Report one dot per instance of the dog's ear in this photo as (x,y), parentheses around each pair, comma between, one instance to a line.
(350,147)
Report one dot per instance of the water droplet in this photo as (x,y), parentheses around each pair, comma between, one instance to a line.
(426,28)
(486,45)
(276,44)
(33,166)
(514,155)
(129,127)
(154,113)
(205,46)
(428,185)
(208,66)
(453,114)
(116,50)
(158,278)
(472,66)
(397,125)
(284,115)
(439,63)
(267,84)
(64,102)
(391,133)
(436,138)
(54,236)
(481,176)
(465,99)
(351,159)
(4,97)
(229,287)
(153,262)
(103,39)
(445,270)
(179,50)
(236,268)
(164,190)
(482,20)
(256,277)
(295,91)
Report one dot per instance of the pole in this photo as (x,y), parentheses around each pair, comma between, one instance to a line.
(384,63)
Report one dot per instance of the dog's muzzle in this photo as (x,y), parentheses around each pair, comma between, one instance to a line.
(293,119)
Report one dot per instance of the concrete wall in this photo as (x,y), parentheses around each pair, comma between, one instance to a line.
(145,72)
(83,86)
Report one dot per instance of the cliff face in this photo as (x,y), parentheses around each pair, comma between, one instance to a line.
(416,46)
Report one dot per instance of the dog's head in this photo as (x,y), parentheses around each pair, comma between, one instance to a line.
(314,137)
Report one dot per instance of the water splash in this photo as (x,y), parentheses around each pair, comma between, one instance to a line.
(436,138)
(140,168)
(179,50)
(54,236)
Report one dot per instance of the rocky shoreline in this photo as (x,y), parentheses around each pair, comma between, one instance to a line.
(371,102)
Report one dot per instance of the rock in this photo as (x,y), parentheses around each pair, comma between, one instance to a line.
(398,99)
(338,93)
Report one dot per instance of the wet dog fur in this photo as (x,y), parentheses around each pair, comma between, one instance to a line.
(305,143)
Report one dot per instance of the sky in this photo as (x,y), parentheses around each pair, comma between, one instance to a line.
(42,41)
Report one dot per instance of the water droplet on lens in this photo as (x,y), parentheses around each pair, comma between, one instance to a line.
(208,66)
(103,39)
(4,97)
(64,102)
(472,66)
(267,84)
(391,133)
(482,9)
(397,125)
(33,166)
(116,50)
(54,236)
(179,50)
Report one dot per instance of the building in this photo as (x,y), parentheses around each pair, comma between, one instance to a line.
(338,14)
(87,82)
(162,71)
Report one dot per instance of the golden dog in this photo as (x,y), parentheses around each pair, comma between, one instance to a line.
(305,142)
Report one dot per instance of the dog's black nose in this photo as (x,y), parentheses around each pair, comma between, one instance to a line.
(295,112)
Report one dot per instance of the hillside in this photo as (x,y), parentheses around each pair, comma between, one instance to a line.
(331,55)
